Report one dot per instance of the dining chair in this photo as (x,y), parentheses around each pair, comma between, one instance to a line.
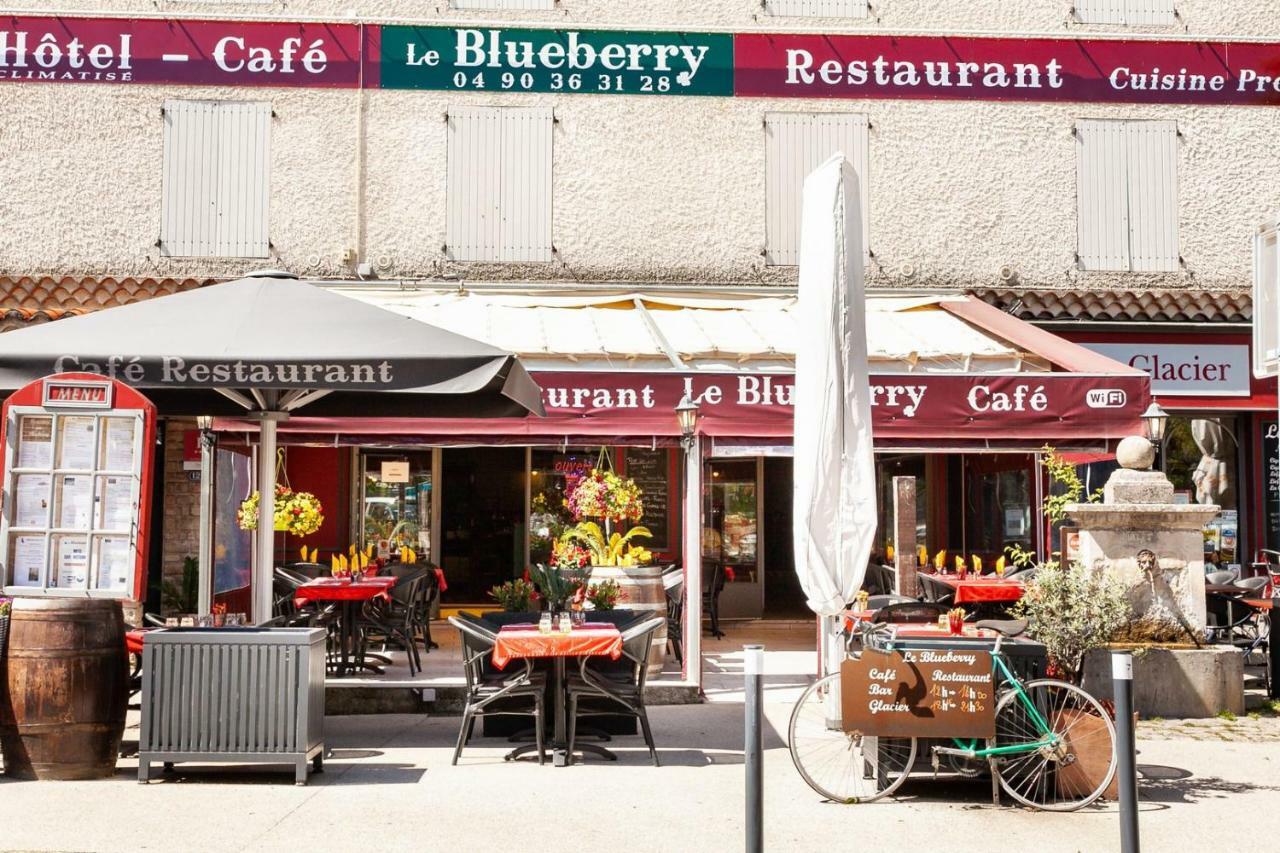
(602,689)
(1220,578)
(712,586)
(675,618)
(935,590)
(394,621)
(491,693)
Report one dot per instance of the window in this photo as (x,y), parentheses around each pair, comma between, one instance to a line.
(1131,12)
(816,8)
(217,184)
(499,184)
(1127,195)
(795,145)
(502,4)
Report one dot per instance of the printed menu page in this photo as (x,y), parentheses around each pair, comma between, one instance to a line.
(117,444)
(35,441)
(75,505)
(31,500)
(72,560)
(113,563)
(116,499)
(26,553)
(75,443)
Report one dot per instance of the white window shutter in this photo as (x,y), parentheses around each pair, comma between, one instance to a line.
(502,4)
(1102,186)
(1153,196)
(499,170)
(795,145)
(1126,12)
(1127,195)
(216,187)
(816,8)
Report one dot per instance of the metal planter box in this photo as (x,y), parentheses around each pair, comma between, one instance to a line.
(238,695)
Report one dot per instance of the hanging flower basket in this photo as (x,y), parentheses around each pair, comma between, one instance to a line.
(296,513)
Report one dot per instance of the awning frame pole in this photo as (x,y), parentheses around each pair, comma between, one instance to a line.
(208,447)
(264,565)
(692,628)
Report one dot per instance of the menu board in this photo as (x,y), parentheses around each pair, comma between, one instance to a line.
(26,552)
(31,500)
(71,561)
(35,441)
(117,444)
(115,500)
(75,442)
(1271,480)
(112,563)
(652,473)
(919,693)
(75,501)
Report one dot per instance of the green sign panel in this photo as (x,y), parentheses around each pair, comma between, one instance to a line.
(610,62)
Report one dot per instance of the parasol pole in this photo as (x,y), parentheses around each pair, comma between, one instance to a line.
(264,564)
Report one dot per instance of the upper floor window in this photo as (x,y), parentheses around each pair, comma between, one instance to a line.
(795,145)
(1130,12)
(217,179)
(1127,195)
(498,190)
(816,8)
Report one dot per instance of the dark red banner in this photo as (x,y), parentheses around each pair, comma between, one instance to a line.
(1007,69)
(936,408)
(215,53)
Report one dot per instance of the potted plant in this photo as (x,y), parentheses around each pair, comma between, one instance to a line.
(603,595)
(296,513)
(515,596)
(564,579)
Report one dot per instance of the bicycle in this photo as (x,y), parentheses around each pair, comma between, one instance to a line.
(1040,726)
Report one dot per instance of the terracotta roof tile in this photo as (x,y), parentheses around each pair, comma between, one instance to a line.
(27,300)
(1145,306)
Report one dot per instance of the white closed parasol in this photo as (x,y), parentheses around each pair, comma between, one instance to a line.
(835,497)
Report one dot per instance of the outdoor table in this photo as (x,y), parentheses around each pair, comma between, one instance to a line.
(1273,648)
(1231,593)
(351,595)
(522,642)
(983,590)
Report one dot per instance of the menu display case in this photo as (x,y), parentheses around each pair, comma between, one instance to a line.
(76,488)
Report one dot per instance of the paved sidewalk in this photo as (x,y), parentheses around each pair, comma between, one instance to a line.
(389,787)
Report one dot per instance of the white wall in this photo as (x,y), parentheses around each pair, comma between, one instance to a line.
(645,188)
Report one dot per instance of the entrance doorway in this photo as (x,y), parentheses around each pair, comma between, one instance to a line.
(481,519)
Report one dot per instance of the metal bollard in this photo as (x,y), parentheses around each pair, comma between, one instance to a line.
(1126,750)
(753,667)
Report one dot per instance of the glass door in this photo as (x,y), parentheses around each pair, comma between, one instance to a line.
(233,475)
(395,502)
(731,535)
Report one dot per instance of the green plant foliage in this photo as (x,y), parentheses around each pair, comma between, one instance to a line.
(1073,611)
(1063,473)
(558,585)
(182,597)
(515,596)
(604,595)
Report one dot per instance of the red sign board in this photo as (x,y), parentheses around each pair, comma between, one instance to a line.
(77,394)
(206,53)
(1006,69)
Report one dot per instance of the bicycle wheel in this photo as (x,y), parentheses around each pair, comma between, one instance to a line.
(841,766)
(1070,774)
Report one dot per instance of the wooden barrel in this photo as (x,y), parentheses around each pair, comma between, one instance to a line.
(642,591)
(64,689)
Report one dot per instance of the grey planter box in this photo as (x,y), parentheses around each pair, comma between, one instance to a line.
(235,695)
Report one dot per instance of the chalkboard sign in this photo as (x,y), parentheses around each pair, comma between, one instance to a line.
(919,693)
(651,471)
(1271,495)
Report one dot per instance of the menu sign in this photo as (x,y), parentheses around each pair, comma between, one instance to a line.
(650,470)
(919,693)
(1271,479)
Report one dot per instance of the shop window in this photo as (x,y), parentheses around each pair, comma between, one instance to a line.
(396,500)
(731,534)
(1200,459)
(998,504)
(795,145)
(498,190)
(888,467)
(816,8)
(1127,195)
(217,179)
(552,475)
(1129,12)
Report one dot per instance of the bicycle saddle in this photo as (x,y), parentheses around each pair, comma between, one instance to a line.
(1008,627)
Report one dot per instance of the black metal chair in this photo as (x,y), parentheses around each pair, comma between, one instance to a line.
(395,621)
(935,590)
(603,690)
(910,612)
(492,693)
(880,580)
(712,586)
(310,571)
(675,615)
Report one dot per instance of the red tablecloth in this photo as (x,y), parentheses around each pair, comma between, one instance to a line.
(133,640)
(333,589)
(519,641)
(971,591)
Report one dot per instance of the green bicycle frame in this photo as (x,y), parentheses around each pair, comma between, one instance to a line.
(1047,737)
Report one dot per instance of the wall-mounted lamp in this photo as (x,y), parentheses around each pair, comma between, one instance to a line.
(687,417)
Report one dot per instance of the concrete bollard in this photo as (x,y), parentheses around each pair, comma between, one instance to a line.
(753,750)
(1126,750)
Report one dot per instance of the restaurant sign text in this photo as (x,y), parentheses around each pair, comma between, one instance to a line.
(587,61)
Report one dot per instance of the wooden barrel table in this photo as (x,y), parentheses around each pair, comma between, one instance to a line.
(643,592)
(64,690)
